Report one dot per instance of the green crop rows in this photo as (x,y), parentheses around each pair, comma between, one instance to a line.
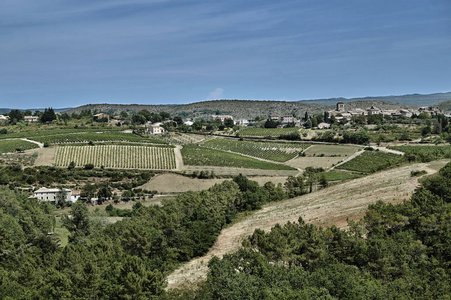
(273,132)
(7,146)
(424,153)
(201,156)
(40,133)
(95,137)
(373,161)
(279,152)
(117,156)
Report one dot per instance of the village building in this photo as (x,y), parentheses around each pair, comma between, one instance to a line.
(323,125)
(100,116)
(52,195)
(221,117)
(287,119)
(156,129)
(188,123)
(31,118)
(374,111)
(242,122)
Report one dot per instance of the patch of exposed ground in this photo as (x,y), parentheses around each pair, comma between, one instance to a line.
(315,162)
(46,156)
(173,183)
(330,206)
(237,171)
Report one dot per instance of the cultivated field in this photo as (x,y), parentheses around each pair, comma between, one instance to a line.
(272,132)
(95,137)
(330,206)
(372,161)
(279,152)
(8,146)
(117,156)
(202,156)
(331,150)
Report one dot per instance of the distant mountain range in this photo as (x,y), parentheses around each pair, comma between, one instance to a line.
(249,109)
(412,99)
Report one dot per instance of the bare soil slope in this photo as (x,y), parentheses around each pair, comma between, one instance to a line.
(330,206)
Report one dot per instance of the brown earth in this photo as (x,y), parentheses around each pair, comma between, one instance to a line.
(46,156)
(173,183)
(330,206)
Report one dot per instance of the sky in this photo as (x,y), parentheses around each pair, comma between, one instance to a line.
(66,53)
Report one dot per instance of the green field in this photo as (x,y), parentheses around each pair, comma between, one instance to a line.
(331,150)
(95,137)
(373,161)
(279,152)
(272,132)
(117,156)
(201,156)
(37,132)
(424,153)
(7,146)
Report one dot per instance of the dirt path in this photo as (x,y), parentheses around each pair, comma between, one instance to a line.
(41,145)
(330,206)
(178,158)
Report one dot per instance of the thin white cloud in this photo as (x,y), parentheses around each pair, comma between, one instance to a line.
(216,94)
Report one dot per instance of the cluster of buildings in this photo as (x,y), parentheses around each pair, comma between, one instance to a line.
(341,113)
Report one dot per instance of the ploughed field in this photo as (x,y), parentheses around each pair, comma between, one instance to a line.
(117,156)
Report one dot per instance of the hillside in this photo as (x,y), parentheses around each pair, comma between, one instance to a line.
(445,106)
(239,109)
(412,99)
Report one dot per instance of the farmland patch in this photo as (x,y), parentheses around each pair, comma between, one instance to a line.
(117,156)
(279,152)
(201,156)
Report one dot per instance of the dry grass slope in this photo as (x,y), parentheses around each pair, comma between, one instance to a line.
(331,206)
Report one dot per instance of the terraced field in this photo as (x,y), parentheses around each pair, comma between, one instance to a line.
(117,156)
(279,152)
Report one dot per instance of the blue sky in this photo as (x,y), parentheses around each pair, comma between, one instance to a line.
(64,53)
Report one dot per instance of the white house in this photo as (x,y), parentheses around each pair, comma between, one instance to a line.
(156,129)
(323,125)
(188,123)
(53,195)
(31,118)
(243,122)
(221,117)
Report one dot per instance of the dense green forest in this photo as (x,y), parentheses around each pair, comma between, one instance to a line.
(125,260)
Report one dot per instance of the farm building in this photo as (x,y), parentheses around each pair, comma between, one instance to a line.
(155,129)
(323,125)
(31,118)
(53,195)
(221,117)
(101,116)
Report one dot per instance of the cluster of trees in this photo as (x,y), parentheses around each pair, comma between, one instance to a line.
(47,116)
(395,252)
(125,260)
